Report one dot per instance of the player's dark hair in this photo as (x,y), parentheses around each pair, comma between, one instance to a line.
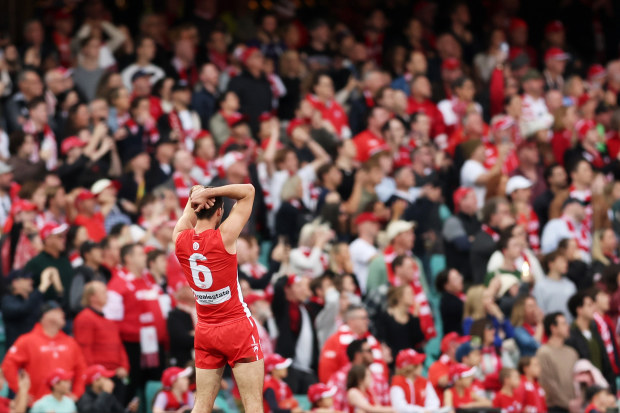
(208,213)
(355,347)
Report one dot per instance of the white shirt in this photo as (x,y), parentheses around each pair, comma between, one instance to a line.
(399,401)
(535,115)
(555,231)
(361,254)
(307,175)
(470,172)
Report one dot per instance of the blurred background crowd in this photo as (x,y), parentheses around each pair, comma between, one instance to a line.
(437,213)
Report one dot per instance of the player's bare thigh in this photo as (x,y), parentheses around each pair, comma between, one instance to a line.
(250,377)
(208,383)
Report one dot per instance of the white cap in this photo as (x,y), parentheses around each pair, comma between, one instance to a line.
(517,182)
(398,227)
(101,185)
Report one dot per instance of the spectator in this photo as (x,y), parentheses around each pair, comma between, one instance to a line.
(43,350)
(23,149)
(459,231)
(474,174)
(397,327)
(204,101)
(599,399)
(409,377)
(181,324)
(252,87)
(572,225)
(54,256)
(535,112)
(98,395)
(29,86)
(553,291)
(228,104)
(363,249)
(89,72)
(321,397)
(99,338)
(182,124)
(604,325)
(555,64)
(461,395)
(556,180)
(176,395)
(359,395)
(145,53)
(277,395)
(21,307)
(506,398)
(59,382)
(527,318)
(297,336)
(449,283)
(584,336)
(137,318)
(556,364)
(529,392)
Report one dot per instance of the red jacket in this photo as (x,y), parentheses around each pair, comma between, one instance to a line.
(38,354)
(531,396)
(134,303)
(334,353)
(100,340)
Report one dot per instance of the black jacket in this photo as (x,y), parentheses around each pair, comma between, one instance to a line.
(97,403)
(451,308)
(481,250)
(254,96)
(20,314)
(287,340)
(580,344)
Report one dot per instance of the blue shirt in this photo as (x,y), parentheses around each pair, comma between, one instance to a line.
(50,404)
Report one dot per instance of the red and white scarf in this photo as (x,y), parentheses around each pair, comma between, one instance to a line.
(150,133)
(603,329)
(208,168)
(424,309)
(182,187)
(307,251)
(47,143)
(532,225)
(492,233)
(582,237)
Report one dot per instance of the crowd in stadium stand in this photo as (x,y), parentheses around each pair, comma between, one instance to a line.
(437,213)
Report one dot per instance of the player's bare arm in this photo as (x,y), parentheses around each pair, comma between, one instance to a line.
(188,219)
(239,215)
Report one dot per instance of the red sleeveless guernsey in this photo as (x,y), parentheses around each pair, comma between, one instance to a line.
(212,274)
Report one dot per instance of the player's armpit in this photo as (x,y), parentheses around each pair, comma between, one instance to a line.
(238,217)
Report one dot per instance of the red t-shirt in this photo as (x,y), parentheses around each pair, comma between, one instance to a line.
(94,226)
(508,404)
(531,396)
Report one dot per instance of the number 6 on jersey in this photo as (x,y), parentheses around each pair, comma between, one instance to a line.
(207,279)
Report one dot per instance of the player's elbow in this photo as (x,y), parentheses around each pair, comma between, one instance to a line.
(250,190)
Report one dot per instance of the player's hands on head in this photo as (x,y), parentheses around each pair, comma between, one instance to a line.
(202,198)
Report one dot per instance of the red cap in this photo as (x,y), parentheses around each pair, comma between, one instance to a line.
(452,337)
(171,374)
(460,370)
(366,217)
(450,64)
(254,297)
(294,123)
(58,375)
(247,52)
(293,278)
(555,53)
(516,23)
(502,123)
(22,205)
(457,197)
(202,135)
(596,71)
(52,228)
(583,126)
(265,116)
(95,372)
(409,357)
(320,391)
(70,143)
(235,118)
(276,362)
(554,26)
(84,195)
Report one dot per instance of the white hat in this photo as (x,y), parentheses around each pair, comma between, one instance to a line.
(99,186)
(517,182)
(398,227)
(507,281)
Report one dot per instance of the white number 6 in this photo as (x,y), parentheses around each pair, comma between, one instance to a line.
(206,280)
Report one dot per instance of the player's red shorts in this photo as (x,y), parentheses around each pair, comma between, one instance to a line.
(218,344)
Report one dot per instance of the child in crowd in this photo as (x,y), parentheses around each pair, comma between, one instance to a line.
(276,393)
(461,395)
(321,396)
(469,354)
(529,393)
(175,394)
(59,382)
(599,399)
(506,399)
(410,390)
